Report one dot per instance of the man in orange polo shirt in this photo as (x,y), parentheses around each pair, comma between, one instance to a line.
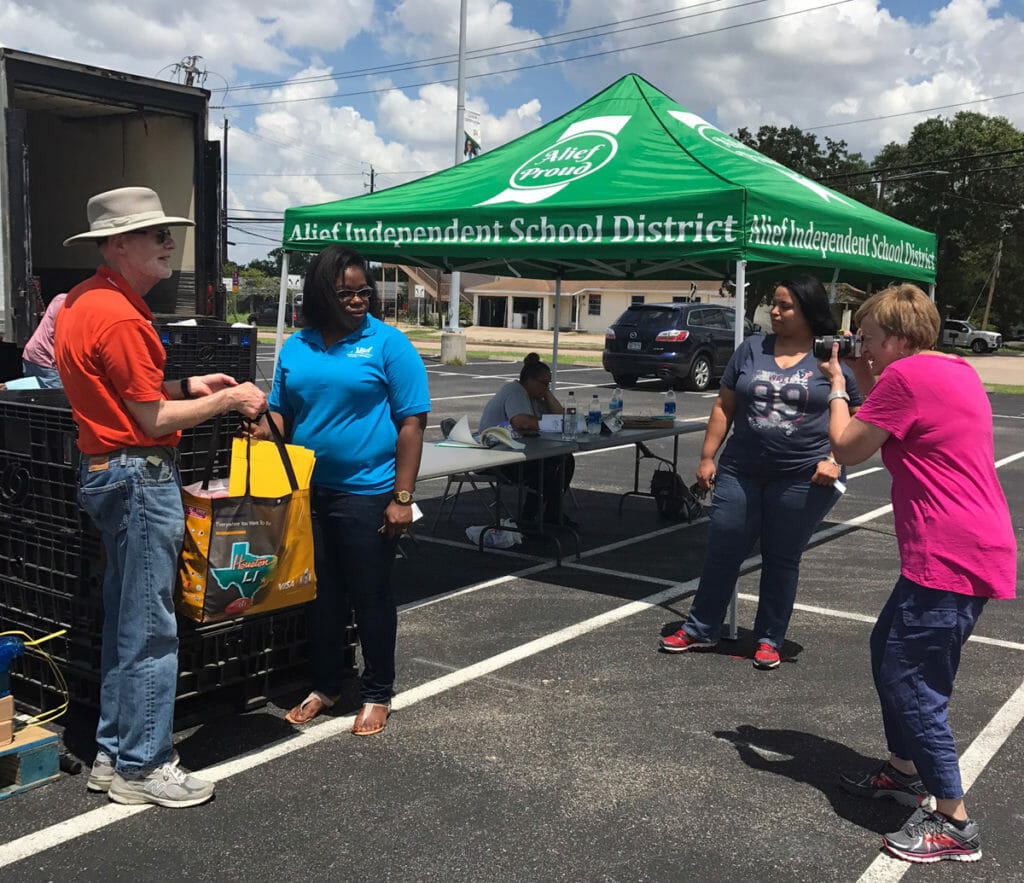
(111,363)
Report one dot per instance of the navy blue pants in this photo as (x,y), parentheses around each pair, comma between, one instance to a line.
(353,572)
(915,653)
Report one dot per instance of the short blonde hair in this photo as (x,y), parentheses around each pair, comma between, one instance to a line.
(903,311)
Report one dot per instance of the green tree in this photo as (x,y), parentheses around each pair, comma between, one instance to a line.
(832,164)
(977,203)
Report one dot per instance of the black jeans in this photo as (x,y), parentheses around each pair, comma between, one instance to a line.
(557,473)
(353,572)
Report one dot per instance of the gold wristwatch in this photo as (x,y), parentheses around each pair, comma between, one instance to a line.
(403,498)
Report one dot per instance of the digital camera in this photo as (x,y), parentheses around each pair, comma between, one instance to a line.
(849,347)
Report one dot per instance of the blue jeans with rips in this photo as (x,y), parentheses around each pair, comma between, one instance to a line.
(915,654)
(136,506)
(353,572)
(783,512)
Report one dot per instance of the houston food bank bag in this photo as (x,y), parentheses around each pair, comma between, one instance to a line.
(242,553)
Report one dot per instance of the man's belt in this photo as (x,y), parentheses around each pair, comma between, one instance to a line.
(154,454)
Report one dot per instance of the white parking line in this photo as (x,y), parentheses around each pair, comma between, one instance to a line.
(974,760)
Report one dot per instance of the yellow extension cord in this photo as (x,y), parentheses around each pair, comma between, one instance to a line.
(30,643)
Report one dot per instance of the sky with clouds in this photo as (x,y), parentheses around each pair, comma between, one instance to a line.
(317,93)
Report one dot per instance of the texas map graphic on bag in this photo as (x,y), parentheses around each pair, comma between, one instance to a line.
(247,574)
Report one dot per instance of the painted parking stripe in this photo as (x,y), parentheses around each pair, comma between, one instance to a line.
(995,733)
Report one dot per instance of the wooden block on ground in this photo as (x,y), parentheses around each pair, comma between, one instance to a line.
(30,760)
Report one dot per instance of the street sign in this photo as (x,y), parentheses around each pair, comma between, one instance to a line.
(420,291)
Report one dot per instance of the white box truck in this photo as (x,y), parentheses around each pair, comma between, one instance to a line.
(70,131)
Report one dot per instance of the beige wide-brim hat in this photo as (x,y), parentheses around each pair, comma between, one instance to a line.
(124,210)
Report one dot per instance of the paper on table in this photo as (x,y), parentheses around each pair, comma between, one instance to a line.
(550,422)
(462,437)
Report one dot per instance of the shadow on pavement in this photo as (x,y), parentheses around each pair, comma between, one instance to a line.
(816,761)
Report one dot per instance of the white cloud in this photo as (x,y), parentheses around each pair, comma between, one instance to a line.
(848,62)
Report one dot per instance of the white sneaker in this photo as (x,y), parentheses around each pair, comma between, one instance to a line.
(167,785)
(102,772)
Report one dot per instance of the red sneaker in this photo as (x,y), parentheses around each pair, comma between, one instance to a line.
(680,642)
(766,657)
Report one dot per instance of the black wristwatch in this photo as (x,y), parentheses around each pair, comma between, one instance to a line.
(403,498)
(186,393)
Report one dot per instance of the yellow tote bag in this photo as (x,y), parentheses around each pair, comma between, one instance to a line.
(268,476)
(244,553)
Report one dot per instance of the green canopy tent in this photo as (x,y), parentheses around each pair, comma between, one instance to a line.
(628,185)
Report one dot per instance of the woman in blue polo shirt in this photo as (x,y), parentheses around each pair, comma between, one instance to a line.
(354,390)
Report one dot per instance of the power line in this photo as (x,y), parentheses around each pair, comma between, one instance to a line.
(938,161)
(491,51)
(891,116)
(541,64)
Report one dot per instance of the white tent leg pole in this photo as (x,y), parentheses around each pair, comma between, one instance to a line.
(931,292)
(832,286)
(454,297)
(554,338)
(741,290)
(282,300)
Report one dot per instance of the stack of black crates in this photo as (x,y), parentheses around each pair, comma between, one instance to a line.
(51,556)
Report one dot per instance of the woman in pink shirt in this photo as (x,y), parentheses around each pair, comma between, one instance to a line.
(929,415)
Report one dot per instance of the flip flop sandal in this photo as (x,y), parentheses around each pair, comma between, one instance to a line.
(310,707)
(370,720)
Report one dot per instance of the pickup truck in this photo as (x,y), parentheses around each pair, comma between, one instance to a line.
(960,332)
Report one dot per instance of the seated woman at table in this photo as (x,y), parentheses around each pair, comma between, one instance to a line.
(520,404)
(775,479)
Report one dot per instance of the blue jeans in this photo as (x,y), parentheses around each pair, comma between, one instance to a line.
(137,508)
(783,512)
(915,653)
(353,572)
(48,377)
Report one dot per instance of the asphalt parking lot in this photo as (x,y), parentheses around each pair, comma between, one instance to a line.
(538,734)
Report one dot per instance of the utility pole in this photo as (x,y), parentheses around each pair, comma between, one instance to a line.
(371,178)
(224,200)
(995,273)
(453,343)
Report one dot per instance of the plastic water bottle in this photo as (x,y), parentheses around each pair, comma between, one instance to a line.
(615,405)
(670,404)
(569,418)
(594,416)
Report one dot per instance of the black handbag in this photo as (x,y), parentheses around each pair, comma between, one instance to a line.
(672,497)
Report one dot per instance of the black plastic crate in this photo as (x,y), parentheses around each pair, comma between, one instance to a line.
(39,612)
(194,448)
(206,349)
(69,562)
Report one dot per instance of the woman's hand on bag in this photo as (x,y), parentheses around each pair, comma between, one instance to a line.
(826,472)
(255,429)
(397,519)
(706,473)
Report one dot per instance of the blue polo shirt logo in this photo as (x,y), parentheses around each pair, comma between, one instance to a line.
(360,352)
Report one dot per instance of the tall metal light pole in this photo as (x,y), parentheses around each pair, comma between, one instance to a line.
(453,343)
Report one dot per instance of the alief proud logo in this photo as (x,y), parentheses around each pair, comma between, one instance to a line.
(585,147)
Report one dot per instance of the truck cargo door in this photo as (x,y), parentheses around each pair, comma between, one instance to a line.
(20,319)
(210,253)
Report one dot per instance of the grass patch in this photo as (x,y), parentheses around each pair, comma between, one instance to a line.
(1007,388)
(422,333)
